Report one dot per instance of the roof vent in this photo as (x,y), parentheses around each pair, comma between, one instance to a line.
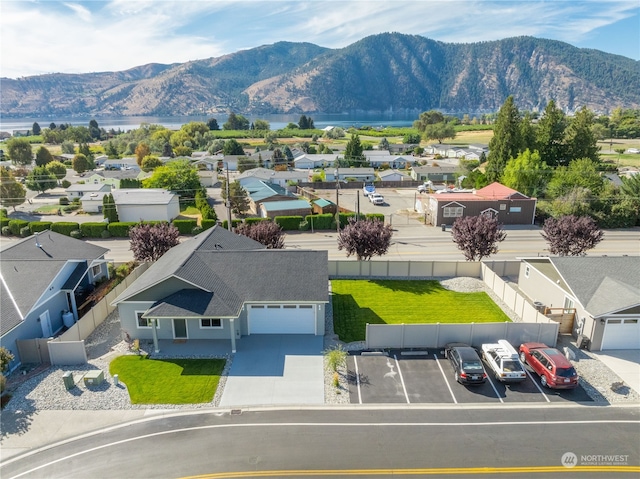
(38,245)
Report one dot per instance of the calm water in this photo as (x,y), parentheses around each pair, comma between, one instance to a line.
(175,122)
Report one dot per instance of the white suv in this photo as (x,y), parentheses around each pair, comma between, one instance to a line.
(376,198)
(503,359)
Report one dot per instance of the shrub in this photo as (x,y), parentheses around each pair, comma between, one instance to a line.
(6,231)
(93,230)
(105,234)
(4,222)
(304,226)
(120,229)
(77,234)
(196,230)
(251,221)
(234,223)
(16,225)
(375,216)
(288,223)
(65,183)
(24,232)
(185,226)
(321,222)
(76,201)
(38,226)
(64,227)
(63,201)
(3,212)
(206,224)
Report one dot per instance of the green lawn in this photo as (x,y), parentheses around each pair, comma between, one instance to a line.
(48,209)
(358,302)
(168,381)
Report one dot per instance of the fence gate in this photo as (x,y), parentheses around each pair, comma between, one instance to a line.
(34,351)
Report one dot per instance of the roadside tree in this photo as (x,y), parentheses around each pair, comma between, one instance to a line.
(41,180)
(365,238)
(477,236)
(150,242)
(571,235)
(265,232)
(12,193)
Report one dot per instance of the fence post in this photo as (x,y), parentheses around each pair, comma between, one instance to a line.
(437,335)
(402,337)
(366,336)
(471,334)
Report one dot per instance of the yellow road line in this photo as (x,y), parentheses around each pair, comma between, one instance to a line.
(413,472)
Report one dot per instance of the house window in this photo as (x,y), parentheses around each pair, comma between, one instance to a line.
(515,209)
(527,270)
(96,270)
(211,323)
(503,207)
(142,322)
(452,211)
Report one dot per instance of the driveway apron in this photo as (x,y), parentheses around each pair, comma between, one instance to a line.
(275,369)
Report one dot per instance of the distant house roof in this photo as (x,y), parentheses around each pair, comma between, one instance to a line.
(285,205)
(387,173)
(494,191)
(260,190)
(322,202)
(143,196)
(434,169)
(89,187)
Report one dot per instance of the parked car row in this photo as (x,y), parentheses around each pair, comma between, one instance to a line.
(507,365)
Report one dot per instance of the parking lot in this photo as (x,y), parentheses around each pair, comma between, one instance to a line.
(427,377)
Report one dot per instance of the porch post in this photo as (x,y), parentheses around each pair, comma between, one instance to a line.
(74,306)
(232,329)
(154,332)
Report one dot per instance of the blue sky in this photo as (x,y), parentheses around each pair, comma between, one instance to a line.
(45,36)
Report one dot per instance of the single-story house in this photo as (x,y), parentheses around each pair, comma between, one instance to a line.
(78,190)
(309,161)
(401,148)
(146,204)
(322,206)
(377,158)
(44,279)
(208,162)
(121,164)
(220,285)
(496,200)
(262,191)
(280,178)
(601,293)
(92,202)
(394,175)
(271,209)
(113,177)
(359,174)
(436,174)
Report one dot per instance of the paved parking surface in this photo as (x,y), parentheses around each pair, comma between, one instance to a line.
(428,378)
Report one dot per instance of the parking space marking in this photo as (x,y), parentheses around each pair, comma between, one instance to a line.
(435,356)
(355,361)
(536,384)
(401,379)
(494,388)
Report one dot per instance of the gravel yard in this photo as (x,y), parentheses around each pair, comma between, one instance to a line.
(46,389)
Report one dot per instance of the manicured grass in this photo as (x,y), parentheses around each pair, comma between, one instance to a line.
(358,302)
(48,209)
(168,381)
(190,210)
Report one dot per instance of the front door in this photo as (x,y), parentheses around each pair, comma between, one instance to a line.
(180,328)
(45,323)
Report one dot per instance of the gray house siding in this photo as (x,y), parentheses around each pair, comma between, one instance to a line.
(474,208)
(128,321)
(162,290)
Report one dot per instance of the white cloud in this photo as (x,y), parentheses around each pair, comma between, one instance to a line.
(81,36)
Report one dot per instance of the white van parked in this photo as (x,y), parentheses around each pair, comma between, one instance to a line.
(503,359)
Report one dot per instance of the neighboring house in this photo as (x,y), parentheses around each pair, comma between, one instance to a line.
(209,162)
(219,285)
(78,190)
(44,278)
(323,206)
(436,174)
(230,162)
(280,178)
(271,209)
(309,161)
(262,191)
(92,202)
(602,293)
(121,164)
(113,177)
(358,174)
(146,204)
(495,200)
(401,148)
(100,159)
(377,158)
(394,175)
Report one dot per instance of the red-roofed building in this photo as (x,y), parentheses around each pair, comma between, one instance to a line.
(509,206)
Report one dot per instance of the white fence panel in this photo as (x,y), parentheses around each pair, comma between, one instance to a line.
(67,353)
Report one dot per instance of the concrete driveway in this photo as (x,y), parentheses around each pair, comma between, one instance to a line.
(272,369)
(625,363)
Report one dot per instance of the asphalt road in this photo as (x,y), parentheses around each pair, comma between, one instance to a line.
(474,441)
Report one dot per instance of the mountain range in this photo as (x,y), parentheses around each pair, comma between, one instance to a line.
(380,73)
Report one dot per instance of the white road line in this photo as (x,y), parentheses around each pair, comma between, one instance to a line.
(298,424)
(536,384)
(435,356)
(494,389)
(401,379)
(357,380)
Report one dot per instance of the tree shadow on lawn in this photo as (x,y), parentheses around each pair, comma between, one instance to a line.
(410,286)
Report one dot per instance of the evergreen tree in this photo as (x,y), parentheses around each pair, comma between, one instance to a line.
(550,136)
(43,156)
(212,123)
(109,208)
(506,142)
(580,138)
(353,151)
(35,129)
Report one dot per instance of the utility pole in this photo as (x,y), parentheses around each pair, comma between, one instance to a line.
(228,198)
(358,205)
(337,199)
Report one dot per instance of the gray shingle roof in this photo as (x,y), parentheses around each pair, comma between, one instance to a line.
(602,284)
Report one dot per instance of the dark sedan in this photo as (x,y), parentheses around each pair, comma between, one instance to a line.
(466,363)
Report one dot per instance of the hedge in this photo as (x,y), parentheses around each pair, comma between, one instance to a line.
(64,227)
(185,226)
(38,226)
(251,221)
(63,201)
(120,229)
(93,230)
(24,232)
(325,221)
(377,216)
(206,224)
(16,225)
(4,222)
(289,223)
(234,224)
(3,212)
(77,234)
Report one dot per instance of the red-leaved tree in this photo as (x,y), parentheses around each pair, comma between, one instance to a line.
(266,232)
(365,238)
(477,236)
(150,242)
(571,235)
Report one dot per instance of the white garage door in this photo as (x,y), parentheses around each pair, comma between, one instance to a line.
(282,319)
(621,334)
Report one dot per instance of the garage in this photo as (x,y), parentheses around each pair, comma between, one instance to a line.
(282,319)
(621,334)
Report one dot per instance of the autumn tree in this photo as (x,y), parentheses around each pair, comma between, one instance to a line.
(142,150)
(477,236)
(365,238)
(571,235)
(150,242)
(43,156)
(12,193)
(267,232)
(506,142)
